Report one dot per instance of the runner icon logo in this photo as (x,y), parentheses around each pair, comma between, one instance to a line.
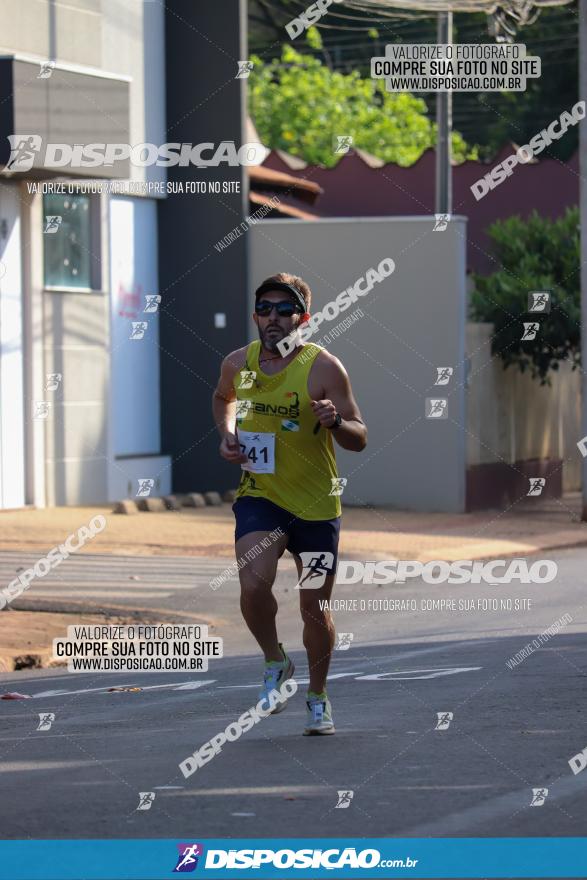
(23,151)
(244,69)
(146,799)
(343,143)
(46,719)
(138,329)
(537,484)
(436,408)
(41,409)
(444,719)
(530,330)
(338,484)
(344,800)
(441,222)
(539,795)
(52,223)
(145,486)
(243,409)
(539,301)
(152,301)
(315,566)
(53,381)
(189,855)
(46,70)
(344,641)
(444,374)
(247,378)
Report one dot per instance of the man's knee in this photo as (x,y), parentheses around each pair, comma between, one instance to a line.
(313,610)
(255,589)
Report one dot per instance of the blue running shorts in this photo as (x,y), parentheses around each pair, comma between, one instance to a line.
(303,535)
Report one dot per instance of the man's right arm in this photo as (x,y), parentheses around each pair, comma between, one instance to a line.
(224,407)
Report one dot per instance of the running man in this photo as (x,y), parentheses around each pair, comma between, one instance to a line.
(290,409)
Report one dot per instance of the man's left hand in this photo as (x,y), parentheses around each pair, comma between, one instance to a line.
(325,411)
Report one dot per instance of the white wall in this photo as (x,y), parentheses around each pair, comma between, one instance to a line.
(414,322)
(135,411)
(72,456)
(133,44)
(511,417)
(124,37)
(12,448)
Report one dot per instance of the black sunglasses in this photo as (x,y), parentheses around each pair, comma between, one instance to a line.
(285,308)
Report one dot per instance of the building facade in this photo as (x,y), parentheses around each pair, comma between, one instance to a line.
(82,265)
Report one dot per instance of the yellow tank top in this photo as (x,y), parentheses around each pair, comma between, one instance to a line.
(276,410)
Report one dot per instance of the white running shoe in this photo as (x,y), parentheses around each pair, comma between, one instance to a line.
(275,674)
(319,713)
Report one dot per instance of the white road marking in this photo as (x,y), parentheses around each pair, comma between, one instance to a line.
(177,685)
(396,675)
(226,687)
(409,674)
(192,685)
(101,594)
(479,815)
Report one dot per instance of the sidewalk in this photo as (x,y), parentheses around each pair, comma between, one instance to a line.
(26,637)
(530,526)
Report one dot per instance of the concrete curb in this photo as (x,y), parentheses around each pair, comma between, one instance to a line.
(158,504)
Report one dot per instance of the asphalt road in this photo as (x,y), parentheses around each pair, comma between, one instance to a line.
(512,730)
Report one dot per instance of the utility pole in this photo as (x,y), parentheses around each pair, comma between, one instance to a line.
(444,126)
(583,223)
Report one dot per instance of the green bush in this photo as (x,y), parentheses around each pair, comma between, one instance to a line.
(533,254)
(300,105)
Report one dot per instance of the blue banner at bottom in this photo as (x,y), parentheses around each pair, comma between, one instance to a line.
(227,858)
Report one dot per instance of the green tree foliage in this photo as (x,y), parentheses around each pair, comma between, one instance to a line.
(300,105)
(535,254)
(487,119)
(492,119)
